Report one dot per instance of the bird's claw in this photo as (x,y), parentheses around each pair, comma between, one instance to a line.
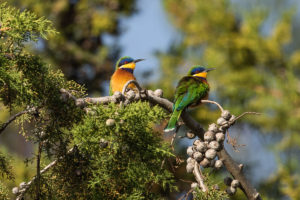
(143,93)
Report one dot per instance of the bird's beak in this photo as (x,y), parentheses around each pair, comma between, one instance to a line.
(138,60)
(210,69)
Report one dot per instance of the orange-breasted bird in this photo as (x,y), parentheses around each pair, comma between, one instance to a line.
(123,73)
(190,90)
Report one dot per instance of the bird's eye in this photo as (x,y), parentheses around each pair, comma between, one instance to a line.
(125,62)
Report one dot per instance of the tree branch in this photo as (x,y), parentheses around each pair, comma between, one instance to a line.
(213,102)
(245,113)
(38,174)
(237,173)
(27,185)
(186,195)
(83,102)
(229,163)
(199,177)
(12,118)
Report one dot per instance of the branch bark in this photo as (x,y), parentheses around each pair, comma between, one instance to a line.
(213,102)
(12,118)
(199,178)
(83,102)
(38,173)
(234,169)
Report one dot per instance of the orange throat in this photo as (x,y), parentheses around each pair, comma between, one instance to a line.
(120,78)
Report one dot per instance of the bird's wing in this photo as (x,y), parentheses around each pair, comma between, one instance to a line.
(189,91)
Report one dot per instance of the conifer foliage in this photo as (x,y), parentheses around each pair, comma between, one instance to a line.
(111,152)
(124,152)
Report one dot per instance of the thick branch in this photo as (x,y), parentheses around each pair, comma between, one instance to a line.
(237,173)
(188,120)
(82,102)
(12,118)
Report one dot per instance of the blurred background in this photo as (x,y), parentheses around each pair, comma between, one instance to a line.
(254,46)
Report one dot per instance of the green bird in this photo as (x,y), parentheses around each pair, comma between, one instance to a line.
(190,90)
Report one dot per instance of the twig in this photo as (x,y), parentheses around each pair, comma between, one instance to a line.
(213,102)
(199,177)
(12,118)
(245,113)
(233,142)
(28,184)
(172,141)
(171,164)
(185,181)
(186,195)
(38,174)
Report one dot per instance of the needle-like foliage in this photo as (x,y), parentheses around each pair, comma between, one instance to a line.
(115,152)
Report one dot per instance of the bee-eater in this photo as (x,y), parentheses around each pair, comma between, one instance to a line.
(190,90)
(123,73)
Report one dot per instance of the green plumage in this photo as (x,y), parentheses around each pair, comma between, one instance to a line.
(189,92)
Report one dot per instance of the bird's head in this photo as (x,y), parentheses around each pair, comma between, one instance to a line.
(127,63)
(199,71)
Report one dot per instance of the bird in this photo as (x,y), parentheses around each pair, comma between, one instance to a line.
(123,73)
(191,89)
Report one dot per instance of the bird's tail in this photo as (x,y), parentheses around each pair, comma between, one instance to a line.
(172,122)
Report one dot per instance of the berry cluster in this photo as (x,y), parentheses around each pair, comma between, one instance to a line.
(205,152)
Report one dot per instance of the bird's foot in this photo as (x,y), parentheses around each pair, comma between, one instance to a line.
(143,93)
